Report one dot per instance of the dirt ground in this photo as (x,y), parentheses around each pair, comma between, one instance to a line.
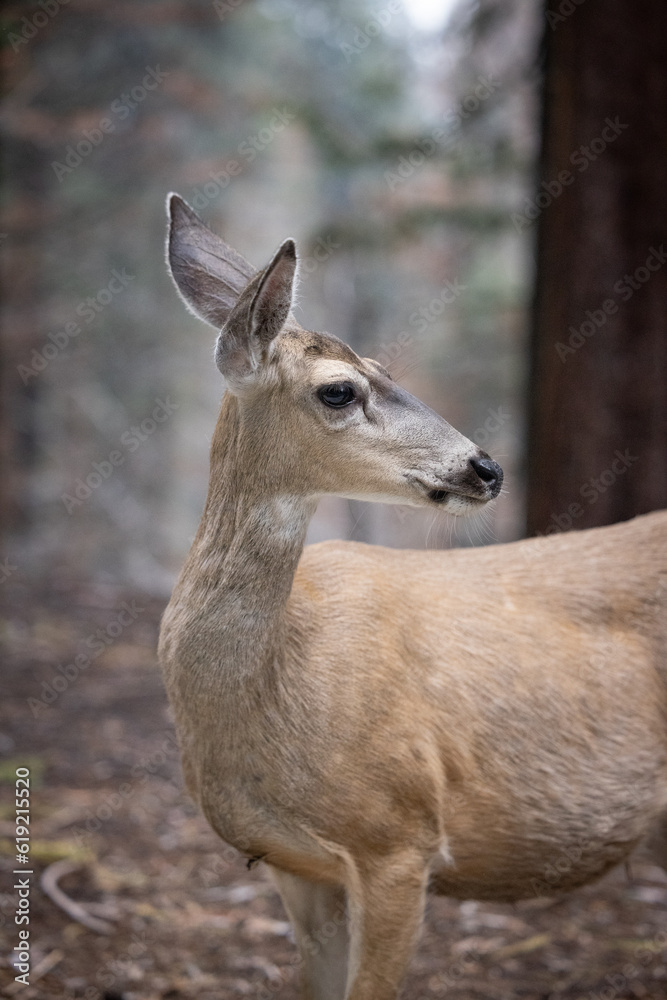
(184,917)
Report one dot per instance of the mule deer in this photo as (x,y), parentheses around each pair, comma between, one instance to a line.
(374,723)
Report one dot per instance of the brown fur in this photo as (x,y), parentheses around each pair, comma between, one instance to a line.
(373,722)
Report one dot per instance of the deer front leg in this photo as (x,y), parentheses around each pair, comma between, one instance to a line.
(318,914)
(386,911)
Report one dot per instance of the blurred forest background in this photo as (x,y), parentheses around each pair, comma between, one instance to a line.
(393,147)
(419,154)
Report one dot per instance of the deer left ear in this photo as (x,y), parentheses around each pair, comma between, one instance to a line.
(273,299)
(208,274)
(257,319)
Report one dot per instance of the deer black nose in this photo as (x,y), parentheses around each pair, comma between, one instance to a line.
(489,472)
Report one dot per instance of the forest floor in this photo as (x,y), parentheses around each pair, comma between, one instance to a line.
(185,917)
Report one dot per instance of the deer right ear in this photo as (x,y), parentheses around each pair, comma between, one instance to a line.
(208,274)
(260,314)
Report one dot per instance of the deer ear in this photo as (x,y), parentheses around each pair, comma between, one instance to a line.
(257,318)
(272,301)
(208,274)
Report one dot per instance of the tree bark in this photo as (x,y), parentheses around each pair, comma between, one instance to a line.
(597,449)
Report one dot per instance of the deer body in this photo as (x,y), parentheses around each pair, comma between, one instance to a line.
(373,722)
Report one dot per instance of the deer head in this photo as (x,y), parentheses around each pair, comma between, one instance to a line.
(315,417)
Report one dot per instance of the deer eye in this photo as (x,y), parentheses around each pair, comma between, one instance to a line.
(337,395)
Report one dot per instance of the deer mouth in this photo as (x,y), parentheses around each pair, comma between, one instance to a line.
(441,497)
(438,495)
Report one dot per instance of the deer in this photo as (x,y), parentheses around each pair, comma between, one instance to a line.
(375,724)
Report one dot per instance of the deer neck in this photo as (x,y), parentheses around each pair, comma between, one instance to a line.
(246,551)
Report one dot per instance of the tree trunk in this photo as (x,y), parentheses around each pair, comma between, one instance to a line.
(598,397)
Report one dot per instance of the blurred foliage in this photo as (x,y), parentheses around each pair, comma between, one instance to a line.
(34,764)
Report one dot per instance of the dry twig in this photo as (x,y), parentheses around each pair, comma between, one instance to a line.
(49,884)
